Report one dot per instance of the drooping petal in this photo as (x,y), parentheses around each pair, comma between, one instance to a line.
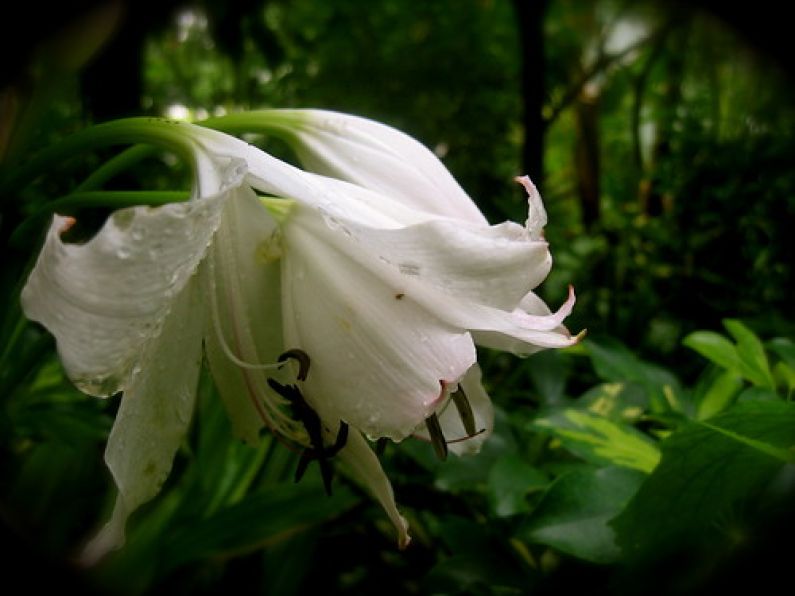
(363,465)
(483,411)
(490,265)
(103,300)
(530,327)
(153,417)
(536,214)
(379,358)
(242,282)
(451,300)
(377,157)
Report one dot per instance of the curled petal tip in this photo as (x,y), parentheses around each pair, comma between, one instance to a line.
(66,223)
(404,542)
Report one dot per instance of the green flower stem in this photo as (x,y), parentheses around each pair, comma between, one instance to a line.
(279,123)
(114,199)
(167,134)
(113,166)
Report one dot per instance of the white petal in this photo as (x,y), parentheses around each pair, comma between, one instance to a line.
(153,417)
(378,358)
(479,401)
(242,281)
(363,465)
(536,214)
(103,300)
(380,158)
(494,266)
(501,328)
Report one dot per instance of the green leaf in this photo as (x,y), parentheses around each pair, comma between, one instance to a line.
(715,348)
(786,374)
(510,480)
(601,441)
(615,363)
(753,359)
(719,394)
(574,513)
(784,348)
(706,468)
(259,519)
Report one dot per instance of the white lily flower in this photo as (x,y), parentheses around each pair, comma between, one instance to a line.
(386,291)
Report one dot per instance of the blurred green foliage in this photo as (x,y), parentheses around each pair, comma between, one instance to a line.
(655,457)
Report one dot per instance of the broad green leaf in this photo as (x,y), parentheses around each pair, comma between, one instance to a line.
(614,362)
(706,468)
(574,513)
(719,394)
(753,359)
(601,441)
(511,479)
(755,393)
(621,402)
(786,374)
(481,573)
(715,348)
(784,348)
(259,519)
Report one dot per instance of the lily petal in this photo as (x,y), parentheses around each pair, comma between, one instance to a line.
(380,359)
(242,282)
(448,300)
(364,467)
(490,265)
(153,417)
(105,299)
(450,421)
(380,158)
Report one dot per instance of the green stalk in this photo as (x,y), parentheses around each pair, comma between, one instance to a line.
(167,134)
(280,123)
(113,166)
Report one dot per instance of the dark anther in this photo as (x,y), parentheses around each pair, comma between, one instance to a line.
(303,361)
(303,413)
(464,411)
(380,446)
(437,437)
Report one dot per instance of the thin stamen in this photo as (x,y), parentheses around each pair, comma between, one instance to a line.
(464,410)
(303,361)
(437,436)
(466,438)
(220,334)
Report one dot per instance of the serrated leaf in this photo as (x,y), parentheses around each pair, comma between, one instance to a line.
(614,362)
(601,441)
(707,467)
(574,513)
(511,479)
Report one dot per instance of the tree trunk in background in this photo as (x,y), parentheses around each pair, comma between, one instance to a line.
(112,83)
(530,24)
(653,194)
(586,154)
